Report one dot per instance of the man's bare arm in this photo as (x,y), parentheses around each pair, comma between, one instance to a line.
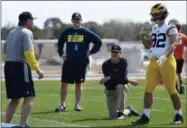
(173,43)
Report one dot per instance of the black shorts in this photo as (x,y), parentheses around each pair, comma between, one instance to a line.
(74,72)
(18,80)
(179,65)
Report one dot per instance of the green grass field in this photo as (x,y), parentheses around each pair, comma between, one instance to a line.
(94,112)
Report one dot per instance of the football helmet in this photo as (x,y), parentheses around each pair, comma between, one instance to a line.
(175,23)
(158,13)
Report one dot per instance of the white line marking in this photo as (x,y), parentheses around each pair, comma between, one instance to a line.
(50,122)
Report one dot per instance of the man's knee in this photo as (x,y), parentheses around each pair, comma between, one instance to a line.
(149,89)
(171,87)
(15,101)
(29,100)
(172,91)
(64,85)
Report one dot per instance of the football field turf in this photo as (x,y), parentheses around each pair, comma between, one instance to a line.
(94,112)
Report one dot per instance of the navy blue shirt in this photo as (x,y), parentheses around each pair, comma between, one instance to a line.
(77,43)
(117,72)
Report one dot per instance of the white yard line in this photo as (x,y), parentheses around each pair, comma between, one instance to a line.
(51,122)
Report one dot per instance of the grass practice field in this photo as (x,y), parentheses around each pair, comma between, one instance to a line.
(94,112)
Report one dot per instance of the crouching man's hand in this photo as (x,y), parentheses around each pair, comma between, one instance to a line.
(105,79)
(133,82)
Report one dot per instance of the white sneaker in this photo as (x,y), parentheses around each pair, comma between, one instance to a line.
(60,108)
(78,107)
(121,117)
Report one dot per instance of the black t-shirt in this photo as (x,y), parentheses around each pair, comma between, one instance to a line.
(117,72)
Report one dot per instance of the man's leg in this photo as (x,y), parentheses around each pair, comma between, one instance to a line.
(121,97)
(152,78)
(63,93)
(25,110)
(66,77)
(80,73)
(78,92)
(111,101)
(11,108)
(180,86)
(169,76)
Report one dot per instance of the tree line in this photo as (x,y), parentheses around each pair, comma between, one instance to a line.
(121,30)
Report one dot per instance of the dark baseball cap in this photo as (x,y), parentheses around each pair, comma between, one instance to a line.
(115,48)
(76,15)
(174,22)
(26,16)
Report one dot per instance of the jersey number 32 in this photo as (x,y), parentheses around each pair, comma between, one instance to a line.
(158,40)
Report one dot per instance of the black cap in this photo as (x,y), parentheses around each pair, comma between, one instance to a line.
(26,16)
(115,48)
(77,16)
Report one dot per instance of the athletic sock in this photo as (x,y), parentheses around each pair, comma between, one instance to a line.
(178,112)
(147,112)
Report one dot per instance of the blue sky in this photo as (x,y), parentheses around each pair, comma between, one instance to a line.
(99,11)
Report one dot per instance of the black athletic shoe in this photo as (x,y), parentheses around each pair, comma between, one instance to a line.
(181,90)
(121,115)
(178,119)
(132,111)
(143,120)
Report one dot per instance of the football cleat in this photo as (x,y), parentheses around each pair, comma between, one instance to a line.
(60,108)
(132,111)
(178,119)
(143,120)
(120,115)
(78,107)
(181,90)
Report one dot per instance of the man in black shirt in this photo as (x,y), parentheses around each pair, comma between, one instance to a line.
(115,81)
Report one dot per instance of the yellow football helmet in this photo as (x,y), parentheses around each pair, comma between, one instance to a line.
(158,12)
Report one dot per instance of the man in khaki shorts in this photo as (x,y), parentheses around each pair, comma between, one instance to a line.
(115,78)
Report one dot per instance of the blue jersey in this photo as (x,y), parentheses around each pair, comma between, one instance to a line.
(77,43)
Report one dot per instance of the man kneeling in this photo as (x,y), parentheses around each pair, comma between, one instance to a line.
(115,80)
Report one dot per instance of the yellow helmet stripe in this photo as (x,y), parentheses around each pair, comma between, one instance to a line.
(155,11)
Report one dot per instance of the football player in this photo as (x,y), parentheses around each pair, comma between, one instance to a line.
(179,55)
(162,40)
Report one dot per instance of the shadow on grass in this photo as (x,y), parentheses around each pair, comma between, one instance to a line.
(48,112)
(170,125)
(108,119)
(91,119)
